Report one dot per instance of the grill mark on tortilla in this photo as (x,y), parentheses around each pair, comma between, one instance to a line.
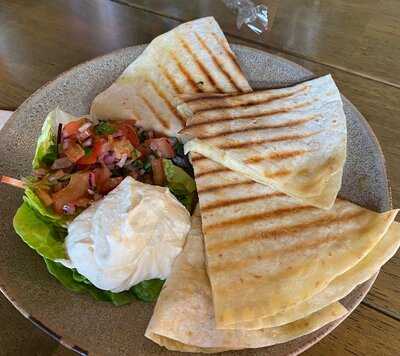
(259,127)
(185,73)
(246,144)
(249,117)
(276,233)
(217,62)
(188,98)
(171,107)
(153,110)
(229,53)
(281,173)
(200,65)
(214,188)
(171,80)
(276,156)
(251,260)
(211,172)
(238,201)
(246,219)
(250,102)
(198,158)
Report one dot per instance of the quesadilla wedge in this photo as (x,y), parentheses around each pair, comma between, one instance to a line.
(293,139)
(192,58)
(338,288)
(267,252)
(183,318)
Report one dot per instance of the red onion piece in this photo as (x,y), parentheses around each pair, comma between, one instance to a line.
(82,136)
(117,134)
(109,158)
(65,143)
(92,180)
(122,161)
(40,172)
(69,209)
(88,142)
(84,127)
(61,163)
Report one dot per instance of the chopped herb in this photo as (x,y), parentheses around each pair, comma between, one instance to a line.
(88,150)
(104,128)
(147,166)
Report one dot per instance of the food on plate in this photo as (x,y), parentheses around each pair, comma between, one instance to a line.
(340,287)
(293,139)
(262,245)
(80,164)
(132,235)
(183,317)
(194,57)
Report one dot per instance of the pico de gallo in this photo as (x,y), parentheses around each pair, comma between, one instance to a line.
(91,159)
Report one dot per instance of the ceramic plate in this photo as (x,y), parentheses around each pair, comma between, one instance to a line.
(99,328)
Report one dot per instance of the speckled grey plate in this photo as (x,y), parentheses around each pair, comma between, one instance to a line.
(98,328)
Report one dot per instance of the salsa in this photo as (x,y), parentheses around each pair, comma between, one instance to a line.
(90,160)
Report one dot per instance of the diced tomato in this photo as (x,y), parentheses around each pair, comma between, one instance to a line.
(77,188)
(130,133)
(163,147)
(81,202)
(71,129)
(110,184)
(44,196)
(74,151)
(121,147)
(144,149)
(101,176)
(158,171)
(93,155)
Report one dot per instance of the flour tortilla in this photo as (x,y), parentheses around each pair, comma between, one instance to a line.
(267,252)
(192,58)
(292,138)
(183,318)
(338,288)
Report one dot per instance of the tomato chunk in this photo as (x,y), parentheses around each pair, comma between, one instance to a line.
(130,133)
(110,184)
(91,158)
(158,171)
(77,188)
(72,128)
(74,151)
(163,147)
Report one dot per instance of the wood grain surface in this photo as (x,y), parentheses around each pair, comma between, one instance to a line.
(361,36)
(358,42)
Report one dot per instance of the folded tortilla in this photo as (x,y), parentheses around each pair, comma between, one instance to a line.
(267,252)
(192,58)
(338,288)
(183,318)
(293,139)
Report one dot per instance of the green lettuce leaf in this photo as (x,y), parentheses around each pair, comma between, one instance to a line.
(46,147)
(147,291)
(45,238)
(180,183)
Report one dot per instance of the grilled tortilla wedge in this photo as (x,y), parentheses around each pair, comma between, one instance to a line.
(338,288)
(267,252)
(192,58)
(293,139)
(183,318)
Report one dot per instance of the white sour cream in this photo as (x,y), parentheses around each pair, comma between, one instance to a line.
(131,235)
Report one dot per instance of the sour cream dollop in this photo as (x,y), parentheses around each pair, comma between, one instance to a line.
(131,235)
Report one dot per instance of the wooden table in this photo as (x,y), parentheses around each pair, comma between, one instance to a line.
(357,41)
